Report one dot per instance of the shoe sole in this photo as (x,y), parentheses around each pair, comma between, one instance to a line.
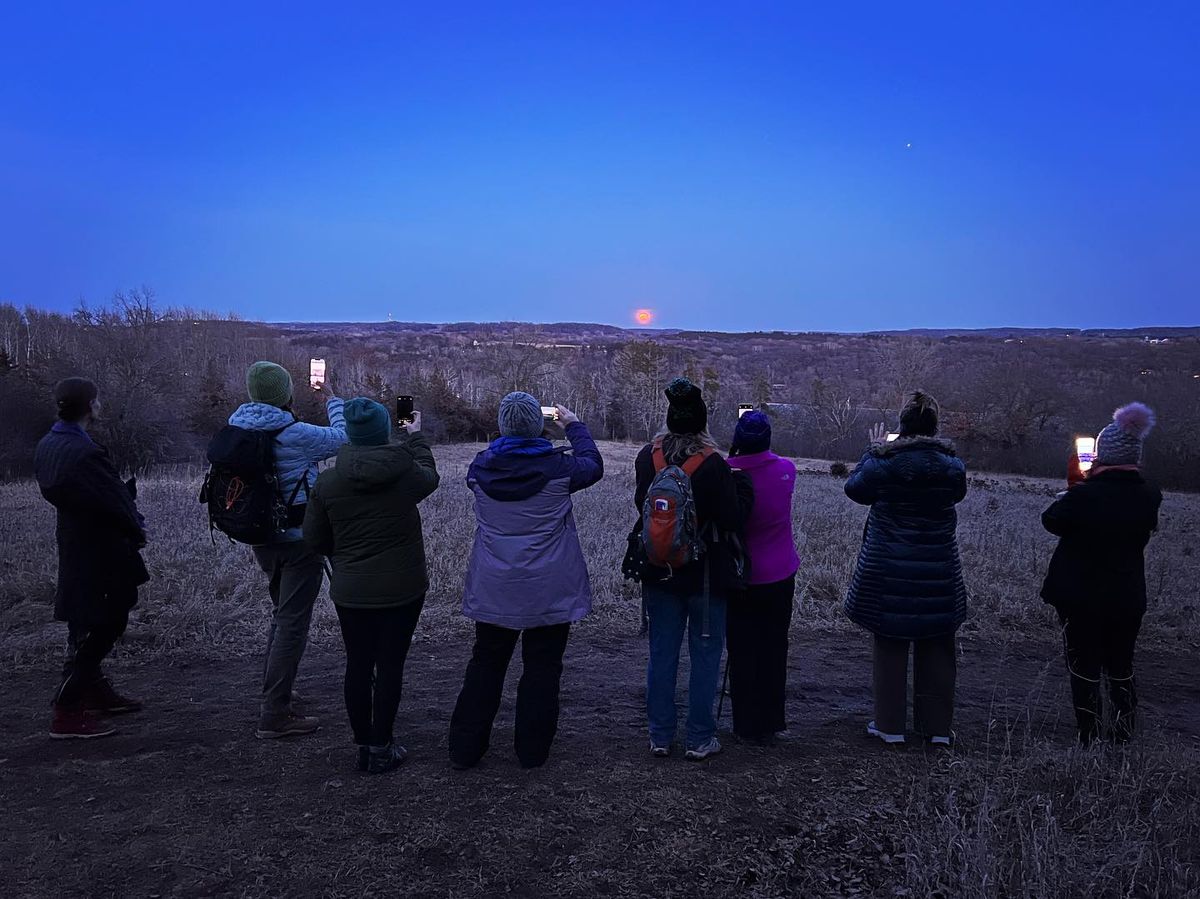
(697,757)
(283,734)
(95,736)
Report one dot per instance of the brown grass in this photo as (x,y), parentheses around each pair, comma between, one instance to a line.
(1015,812)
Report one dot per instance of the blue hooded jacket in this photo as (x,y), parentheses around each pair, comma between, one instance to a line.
(527,567)
(298,449)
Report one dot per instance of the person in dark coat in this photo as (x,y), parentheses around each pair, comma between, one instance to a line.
(908,585)
(100,534)
(527,579)
(679,601)
(1097,576)
(362,514)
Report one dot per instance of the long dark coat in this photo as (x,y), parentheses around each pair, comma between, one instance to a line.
(908,583)
(99,528)
(1104,524)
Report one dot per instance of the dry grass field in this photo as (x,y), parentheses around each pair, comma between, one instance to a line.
(184,802)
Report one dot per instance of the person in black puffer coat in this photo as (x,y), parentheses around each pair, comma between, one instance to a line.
(1097,576)
(908,586)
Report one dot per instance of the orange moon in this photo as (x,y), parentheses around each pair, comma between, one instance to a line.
(644,316)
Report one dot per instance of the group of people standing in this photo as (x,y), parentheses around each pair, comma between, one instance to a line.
(527,580)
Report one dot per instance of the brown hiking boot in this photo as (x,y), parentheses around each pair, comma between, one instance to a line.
(289,724)
(76,723)
(99,696)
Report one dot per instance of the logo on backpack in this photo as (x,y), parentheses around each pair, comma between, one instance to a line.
(670,531)
(241,488)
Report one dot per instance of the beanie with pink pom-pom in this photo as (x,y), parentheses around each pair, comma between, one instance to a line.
(1121,442)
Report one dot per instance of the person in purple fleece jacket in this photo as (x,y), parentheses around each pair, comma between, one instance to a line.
(526,579)
(758,622)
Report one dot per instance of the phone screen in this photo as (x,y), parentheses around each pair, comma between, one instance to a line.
(1085,449)
(404,410)
(892,436)
(743,408)
(316,373)
(549,413)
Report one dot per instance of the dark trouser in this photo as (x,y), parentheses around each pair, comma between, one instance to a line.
(87,647)
(377,642)
(295,574)
(757,633)
(934,673)
(542,651)
(1101,643)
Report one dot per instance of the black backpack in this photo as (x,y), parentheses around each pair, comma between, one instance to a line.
(241,488)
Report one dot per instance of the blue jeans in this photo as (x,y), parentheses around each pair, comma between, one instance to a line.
(670,613)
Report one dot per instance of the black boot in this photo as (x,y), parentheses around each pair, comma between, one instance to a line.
(387,758)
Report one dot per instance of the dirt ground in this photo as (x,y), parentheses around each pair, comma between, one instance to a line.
(185,802)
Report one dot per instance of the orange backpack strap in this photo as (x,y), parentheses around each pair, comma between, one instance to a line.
(659,459)
(694,462)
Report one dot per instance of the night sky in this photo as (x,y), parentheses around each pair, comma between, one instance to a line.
(730,166)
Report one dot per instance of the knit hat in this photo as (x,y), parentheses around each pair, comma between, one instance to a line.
(367,422)
(74,397)
(1121,442)
(752,434)
(919,417)
(686,412)
(521,416)
(269,383)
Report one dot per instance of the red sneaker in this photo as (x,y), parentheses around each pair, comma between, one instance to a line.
(99,696)
(78,724)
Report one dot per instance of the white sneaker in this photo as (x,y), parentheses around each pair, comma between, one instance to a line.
(700,753)
(890,739)
(659,752)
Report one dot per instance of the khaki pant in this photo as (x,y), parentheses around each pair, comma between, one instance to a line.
(295,580)
(934,673)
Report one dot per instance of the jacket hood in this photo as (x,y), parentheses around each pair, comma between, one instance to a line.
(903,444)
(513,468)
(260,417)
(371,467)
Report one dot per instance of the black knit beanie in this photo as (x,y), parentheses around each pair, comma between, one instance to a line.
(686,412)
(919,417)
(74,397)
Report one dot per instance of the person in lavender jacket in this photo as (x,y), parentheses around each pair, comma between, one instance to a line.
(527,578)
(757,623)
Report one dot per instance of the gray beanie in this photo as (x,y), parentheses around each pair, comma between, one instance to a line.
(1121,442)
(521,416)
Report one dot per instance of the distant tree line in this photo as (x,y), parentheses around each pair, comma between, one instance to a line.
(170,377)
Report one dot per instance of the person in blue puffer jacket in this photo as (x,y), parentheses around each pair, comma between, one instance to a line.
(294,570)
(908,585)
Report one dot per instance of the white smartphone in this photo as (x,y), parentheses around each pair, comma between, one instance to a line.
(1085,449)
(316,373)
(743,408)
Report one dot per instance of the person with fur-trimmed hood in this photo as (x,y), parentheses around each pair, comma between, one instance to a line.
(908,585)
(1097,576)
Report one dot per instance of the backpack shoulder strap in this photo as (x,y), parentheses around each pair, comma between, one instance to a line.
(658,457)
(693,463)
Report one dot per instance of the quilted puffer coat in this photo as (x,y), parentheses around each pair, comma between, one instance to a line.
(908,582)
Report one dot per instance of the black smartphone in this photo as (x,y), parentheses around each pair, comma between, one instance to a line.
(404,410)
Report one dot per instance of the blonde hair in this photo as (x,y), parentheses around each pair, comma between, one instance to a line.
(678,448)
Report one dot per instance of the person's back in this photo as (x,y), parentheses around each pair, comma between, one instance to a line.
(908,583)
(1104,524)
(526,580)
(362,514)
(770,541)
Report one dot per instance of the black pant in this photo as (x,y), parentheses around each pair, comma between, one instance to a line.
(87,647)
(756,628)
(542,651)
(935,671)
(1101,642)
(377,642)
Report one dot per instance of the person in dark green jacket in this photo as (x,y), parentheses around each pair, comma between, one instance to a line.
(362,514)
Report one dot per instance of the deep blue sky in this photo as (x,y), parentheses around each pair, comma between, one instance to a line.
(733,166)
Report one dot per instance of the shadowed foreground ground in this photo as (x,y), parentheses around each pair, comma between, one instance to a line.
(185,802)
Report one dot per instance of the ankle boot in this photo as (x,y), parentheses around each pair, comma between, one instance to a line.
(383,759)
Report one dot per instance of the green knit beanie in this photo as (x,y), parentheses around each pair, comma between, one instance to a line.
(269,383)
(367,422)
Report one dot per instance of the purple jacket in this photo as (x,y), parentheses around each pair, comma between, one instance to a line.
(769,540)
(527,568)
